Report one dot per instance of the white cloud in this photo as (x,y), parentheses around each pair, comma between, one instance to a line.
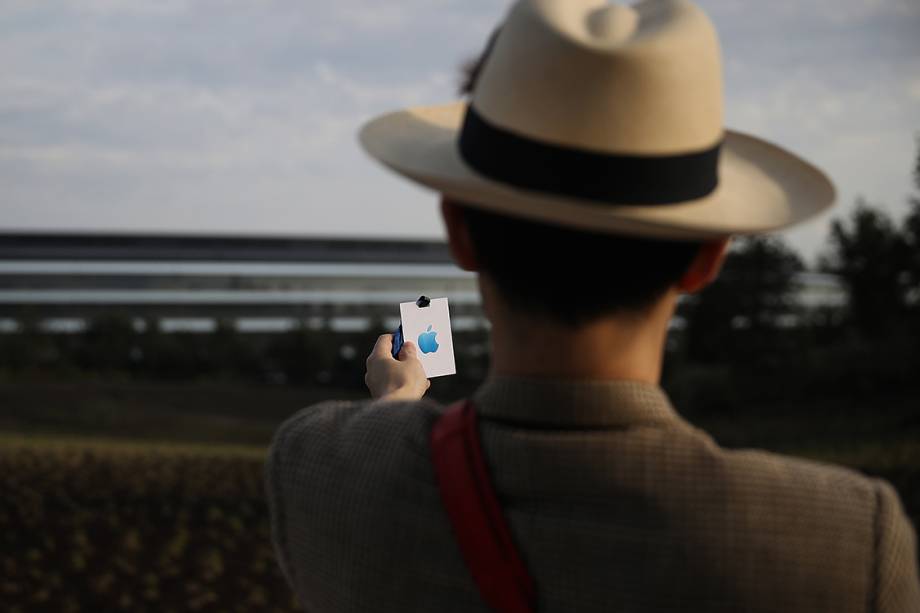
(208,115)
(238,127)
(913,88)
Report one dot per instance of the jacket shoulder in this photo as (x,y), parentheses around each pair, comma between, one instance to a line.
(337,472)
(897,578)
(349,430)
(345,441)
(819,480)
(834,521)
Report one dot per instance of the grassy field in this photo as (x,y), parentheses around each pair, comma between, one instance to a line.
(124,496)
(136,497)
(210,412)
(106,526)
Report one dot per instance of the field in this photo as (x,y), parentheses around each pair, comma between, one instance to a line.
(108,526)
(136,498)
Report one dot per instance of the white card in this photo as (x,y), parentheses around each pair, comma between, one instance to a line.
(429,328)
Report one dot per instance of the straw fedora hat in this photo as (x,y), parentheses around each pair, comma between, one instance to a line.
(606,118)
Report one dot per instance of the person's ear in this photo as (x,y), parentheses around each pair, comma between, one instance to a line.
(705,266)
(458,236)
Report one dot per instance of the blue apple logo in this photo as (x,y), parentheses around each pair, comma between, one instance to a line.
(427,342)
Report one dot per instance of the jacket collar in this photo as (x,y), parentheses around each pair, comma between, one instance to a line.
(573,402)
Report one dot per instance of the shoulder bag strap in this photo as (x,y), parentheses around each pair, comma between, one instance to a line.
(476,514)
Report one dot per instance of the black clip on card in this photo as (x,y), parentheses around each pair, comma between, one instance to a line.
(422,302)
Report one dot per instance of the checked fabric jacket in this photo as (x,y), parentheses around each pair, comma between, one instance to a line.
(615,502)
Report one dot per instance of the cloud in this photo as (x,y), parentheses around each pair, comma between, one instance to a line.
(242,117)
(182,116)
(913,88)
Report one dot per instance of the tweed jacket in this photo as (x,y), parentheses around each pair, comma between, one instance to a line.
(616,504)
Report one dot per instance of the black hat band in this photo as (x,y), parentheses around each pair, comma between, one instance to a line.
(615,179)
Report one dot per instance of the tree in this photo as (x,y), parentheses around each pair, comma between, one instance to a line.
(107,343)
(302,354)
(870,254)
(737,316)
(912,240)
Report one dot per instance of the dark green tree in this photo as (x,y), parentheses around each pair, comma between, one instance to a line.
(107,344)
(300,354)
(912,241)
(736,318)
(870,254)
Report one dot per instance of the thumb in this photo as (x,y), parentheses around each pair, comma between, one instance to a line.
(409,350)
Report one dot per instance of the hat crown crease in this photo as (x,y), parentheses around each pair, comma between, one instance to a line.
(613,24)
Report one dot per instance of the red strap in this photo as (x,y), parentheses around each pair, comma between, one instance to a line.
(476,514)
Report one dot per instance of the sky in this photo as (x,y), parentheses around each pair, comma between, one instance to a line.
(232,117)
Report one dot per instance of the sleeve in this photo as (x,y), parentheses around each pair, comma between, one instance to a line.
(274,462)
(326,467)
(897,583)
(287,458)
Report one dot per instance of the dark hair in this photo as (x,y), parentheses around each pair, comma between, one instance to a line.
(569,275)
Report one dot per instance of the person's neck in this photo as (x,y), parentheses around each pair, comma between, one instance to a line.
(618,347)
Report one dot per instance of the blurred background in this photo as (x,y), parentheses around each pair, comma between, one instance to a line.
(193,247)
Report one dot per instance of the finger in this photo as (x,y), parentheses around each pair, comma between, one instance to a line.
(384,345)
(409,350)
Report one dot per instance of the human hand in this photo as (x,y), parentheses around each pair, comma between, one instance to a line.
(389,378)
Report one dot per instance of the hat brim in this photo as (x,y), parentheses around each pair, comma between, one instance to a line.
(762,187)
